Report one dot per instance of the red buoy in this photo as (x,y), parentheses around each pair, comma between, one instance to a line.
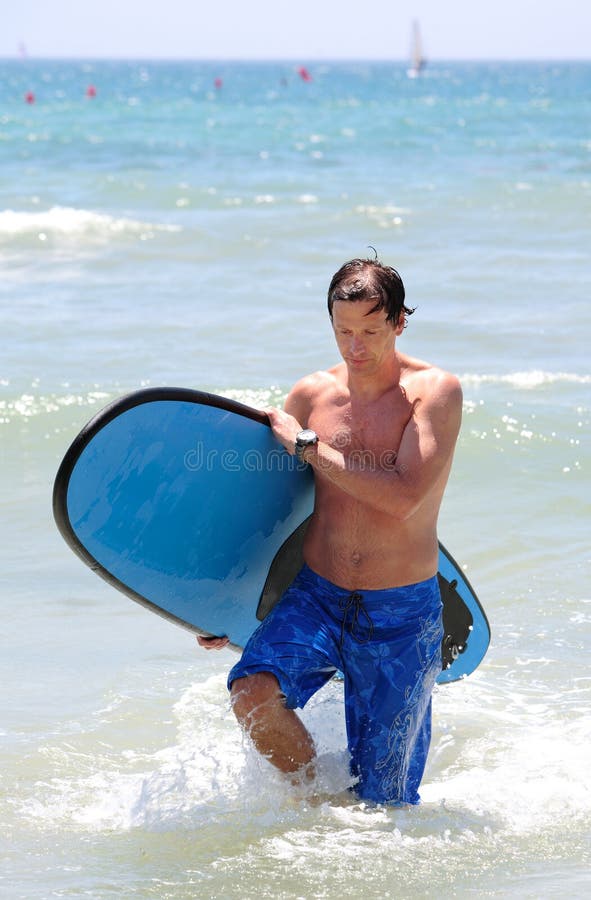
(29,97)
(91,91)
(304,74)
(218,83)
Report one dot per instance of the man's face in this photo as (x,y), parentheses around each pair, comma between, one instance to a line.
(365,339)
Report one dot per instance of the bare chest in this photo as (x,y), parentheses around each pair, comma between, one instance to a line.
(351,426)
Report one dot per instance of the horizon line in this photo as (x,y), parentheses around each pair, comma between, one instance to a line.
(320,60)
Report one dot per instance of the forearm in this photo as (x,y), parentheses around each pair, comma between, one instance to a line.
(376,480)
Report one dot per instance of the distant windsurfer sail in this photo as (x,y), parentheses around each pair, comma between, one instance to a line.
(417,57)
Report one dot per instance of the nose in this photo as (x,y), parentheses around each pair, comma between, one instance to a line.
(356,346)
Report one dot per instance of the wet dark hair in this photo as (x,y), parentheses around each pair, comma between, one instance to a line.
(369,279)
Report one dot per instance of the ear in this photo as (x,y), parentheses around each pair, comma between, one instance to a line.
(399,327)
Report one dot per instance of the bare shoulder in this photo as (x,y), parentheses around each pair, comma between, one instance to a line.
(431,388)
(443,386)
(305,393)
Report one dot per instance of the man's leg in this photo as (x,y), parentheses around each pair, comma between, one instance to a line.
(388,686)
(277,732)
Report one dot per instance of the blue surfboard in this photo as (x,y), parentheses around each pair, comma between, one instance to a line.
(184,501)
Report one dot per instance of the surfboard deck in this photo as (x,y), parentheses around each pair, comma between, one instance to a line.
(184,501)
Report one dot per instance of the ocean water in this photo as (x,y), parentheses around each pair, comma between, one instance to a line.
(171,231)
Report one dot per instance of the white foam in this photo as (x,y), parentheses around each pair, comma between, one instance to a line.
(65,221)
(502,768)
(516,765)
(210,770)
(527,380)
(525,782)
(257,397)
(27,406)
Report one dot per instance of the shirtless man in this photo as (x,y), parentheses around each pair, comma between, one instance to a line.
(379,430)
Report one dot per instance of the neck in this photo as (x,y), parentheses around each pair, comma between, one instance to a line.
(373,385)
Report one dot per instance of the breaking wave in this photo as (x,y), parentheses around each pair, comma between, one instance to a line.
(69,222)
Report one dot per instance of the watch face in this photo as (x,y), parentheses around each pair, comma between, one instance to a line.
(307,436)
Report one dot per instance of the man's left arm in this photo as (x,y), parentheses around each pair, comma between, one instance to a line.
(427,444)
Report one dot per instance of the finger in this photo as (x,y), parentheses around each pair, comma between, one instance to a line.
(218,644)
(212,643)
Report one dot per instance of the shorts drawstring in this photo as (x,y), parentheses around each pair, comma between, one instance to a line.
(354,602)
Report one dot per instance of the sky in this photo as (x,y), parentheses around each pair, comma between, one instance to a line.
(295,29)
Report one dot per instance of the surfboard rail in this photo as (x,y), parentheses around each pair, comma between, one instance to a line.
(100,420)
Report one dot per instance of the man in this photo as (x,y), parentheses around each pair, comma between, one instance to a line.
(379,430)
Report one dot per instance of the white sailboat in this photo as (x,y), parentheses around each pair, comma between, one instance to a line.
(417,58)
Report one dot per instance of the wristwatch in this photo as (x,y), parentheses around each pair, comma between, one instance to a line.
(304,439)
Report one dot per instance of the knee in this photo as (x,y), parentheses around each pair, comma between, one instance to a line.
(253,696)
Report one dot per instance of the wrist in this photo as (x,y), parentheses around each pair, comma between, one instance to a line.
(305,439)
(310,453)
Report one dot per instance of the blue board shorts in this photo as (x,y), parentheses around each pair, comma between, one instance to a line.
(387,644)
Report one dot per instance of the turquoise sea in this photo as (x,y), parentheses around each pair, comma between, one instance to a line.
(171,230)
